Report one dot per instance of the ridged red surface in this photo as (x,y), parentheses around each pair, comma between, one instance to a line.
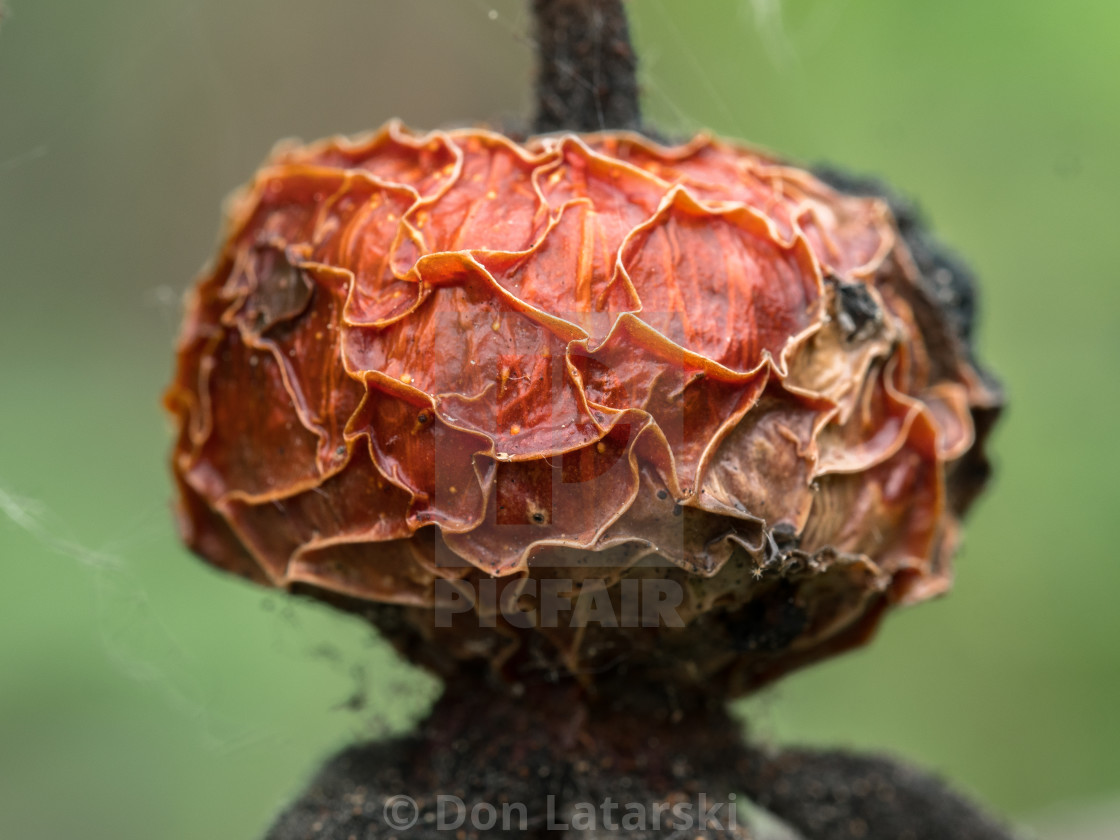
(454,356)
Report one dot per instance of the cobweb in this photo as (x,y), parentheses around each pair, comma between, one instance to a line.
(133,636)
(765,18)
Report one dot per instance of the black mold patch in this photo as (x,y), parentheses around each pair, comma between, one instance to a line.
(856,311)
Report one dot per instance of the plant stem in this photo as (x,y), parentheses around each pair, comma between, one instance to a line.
(586,75)
(554,749)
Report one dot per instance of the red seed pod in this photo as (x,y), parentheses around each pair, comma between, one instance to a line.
(578,401)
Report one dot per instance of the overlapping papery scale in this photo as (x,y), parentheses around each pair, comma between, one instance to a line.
(452,356)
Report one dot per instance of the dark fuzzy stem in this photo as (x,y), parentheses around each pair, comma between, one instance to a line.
(554,750)
(587,73)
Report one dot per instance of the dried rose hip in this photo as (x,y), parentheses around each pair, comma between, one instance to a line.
(720,412)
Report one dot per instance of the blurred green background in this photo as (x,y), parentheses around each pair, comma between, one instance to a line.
(144,696)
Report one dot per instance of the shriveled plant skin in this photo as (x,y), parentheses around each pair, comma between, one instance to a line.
(455,357)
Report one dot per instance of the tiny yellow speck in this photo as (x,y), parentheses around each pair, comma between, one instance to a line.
(497,325)
(406,378)
(601,447)
(515,429)
(453,489)
(492,194)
